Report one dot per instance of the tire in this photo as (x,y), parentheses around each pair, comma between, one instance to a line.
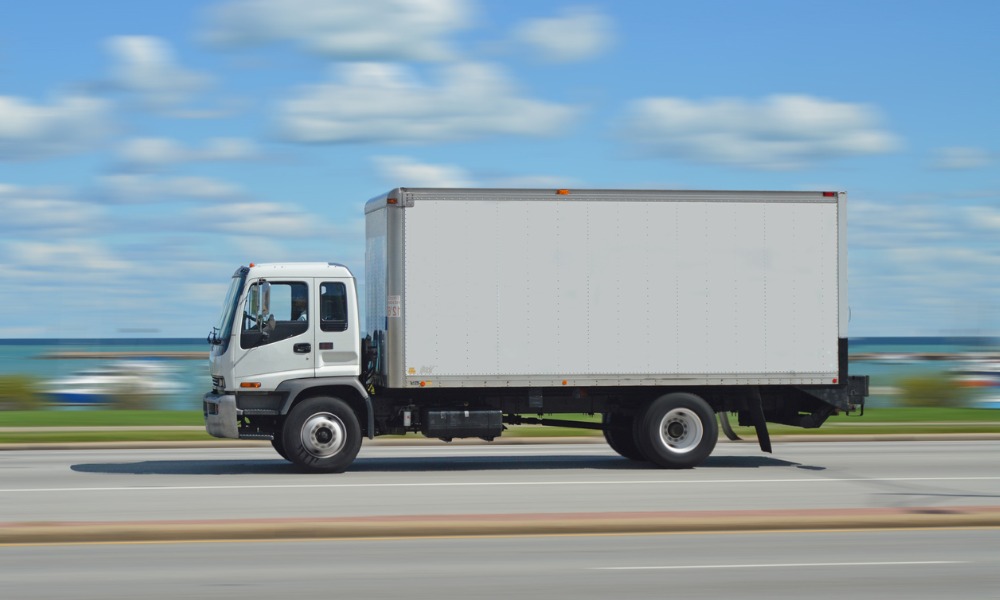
(277,442)
(322,434)
(619,432)
(677,431)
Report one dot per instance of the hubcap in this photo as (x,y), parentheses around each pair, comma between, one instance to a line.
(681,430)
(323,435)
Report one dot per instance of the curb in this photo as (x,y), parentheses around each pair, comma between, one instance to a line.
(417,526)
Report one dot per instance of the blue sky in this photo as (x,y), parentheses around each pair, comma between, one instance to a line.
(147,149)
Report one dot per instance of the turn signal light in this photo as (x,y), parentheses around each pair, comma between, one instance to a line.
(250,384)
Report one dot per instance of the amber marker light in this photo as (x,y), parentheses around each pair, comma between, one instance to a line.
(250,384)
(562,192)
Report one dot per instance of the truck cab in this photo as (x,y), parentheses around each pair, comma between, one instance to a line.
(284,328)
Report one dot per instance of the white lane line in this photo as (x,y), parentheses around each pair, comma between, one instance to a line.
(785,565)
(442,484)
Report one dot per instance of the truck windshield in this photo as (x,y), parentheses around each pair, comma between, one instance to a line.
(224,328)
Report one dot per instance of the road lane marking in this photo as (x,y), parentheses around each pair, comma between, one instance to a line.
(436,484)
(785,565)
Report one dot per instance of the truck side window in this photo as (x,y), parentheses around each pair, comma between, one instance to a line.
(290,308)
(333,306)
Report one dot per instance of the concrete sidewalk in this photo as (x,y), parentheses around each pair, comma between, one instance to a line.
(412,526)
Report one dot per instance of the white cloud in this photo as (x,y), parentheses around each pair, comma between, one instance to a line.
(34,209)
(960,158)
(77,256)
(70,125)
(907,256)
(147,189)
(266,219)
(344,29)
(385,103)
(403,171)
(146,66)
(160,152)
(407,172)
(578,34)
(984,217)
(779,132)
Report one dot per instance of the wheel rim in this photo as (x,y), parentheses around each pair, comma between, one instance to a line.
(323,435)
(681,430)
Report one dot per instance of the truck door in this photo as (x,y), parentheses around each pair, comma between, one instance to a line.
(337,338)
(281,352)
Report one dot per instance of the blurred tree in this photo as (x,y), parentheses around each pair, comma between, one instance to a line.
(932,390)
(19,392)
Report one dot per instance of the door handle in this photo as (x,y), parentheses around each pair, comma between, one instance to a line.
(302,348)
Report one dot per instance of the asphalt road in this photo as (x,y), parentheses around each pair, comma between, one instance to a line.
(254,483)
(817,565)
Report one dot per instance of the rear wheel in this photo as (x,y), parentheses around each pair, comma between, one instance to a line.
(619,431)
(677,431)
(322,434)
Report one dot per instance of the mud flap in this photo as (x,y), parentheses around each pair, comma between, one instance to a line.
(756,410)
(726,427)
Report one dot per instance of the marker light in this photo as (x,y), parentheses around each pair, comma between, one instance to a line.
(829,194)
(250,384)
(562,192)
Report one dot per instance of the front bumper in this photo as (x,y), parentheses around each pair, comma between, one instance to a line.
(221,415)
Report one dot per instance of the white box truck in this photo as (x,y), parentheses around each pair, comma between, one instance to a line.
(656,310)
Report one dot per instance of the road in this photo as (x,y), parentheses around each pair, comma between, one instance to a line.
(253,483)
(914,565)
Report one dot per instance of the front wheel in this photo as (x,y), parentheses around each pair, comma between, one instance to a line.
(677,431)
(278,443)
(322,434)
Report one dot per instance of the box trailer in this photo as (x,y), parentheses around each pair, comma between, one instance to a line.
(488,307)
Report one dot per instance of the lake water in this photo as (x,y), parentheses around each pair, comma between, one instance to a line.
(191,380)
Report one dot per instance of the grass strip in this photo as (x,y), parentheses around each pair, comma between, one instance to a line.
(874,422)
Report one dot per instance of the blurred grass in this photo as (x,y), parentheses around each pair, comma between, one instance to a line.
(874,422)
(99,418)
(74,436)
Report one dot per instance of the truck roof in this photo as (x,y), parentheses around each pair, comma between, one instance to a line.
(406,196)
(300,269)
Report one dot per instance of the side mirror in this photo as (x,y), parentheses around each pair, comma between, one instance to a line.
(260,299)
(260,307)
